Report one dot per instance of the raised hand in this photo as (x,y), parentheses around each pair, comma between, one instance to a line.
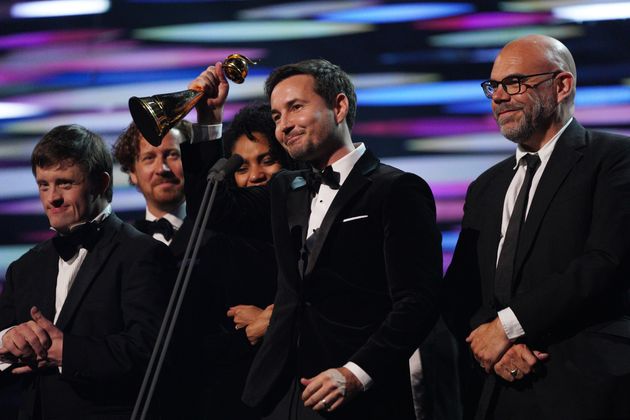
(215,86)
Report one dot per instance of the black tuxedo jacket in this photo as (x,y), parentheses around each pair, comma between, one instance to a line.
(110,320)
(368,292)
(571,273)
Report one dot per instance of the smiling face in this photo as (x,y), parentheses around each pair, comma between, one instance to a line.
(258,162)
(305,126)
(67,195)
(159,175)
(530,117)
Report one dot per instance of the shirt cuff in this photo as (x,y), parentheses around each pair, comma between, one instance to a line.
(203,133)
(4,366)
(361,375)
(511,326)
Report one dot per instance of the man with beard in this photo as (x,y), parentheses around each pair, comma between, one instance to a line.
(538,283)
(158,174)
(358,254)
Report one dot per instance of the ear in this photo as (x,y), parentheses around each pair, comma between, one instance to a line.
(340,107)
(102,184)
(565,83)
(133,178)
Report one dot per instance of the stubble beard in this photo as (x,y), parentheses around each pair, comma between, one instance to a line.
(540,114)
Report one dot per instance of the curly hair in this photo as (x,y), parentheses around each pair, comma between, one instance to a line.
(330,80)
(256,117)
(127,147)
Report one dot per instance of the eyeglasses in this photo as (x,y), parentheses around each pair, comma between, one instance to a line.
(514,85)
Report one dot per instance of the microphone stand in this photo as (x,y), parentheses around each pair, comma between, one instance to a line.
(217,173)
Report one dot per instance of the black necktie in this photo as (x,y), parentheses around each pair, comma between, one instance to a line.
(162,226)
(505,267)
(84,236)
(327,177)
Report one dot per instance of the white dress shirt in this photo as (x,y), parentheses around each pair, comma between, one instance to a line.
(510,323)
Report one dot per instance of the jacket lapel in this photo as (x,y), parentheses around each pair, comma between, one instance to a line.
(564,157)
(357,180)
(180,240)
(49,275)
(89,269)
(298,208)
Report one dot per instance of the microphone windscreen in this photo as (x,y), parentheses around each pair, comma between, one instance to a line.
(218,166)
(233,163)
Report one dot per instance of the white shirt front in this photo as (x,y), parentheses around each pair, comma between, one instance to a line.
(325,196)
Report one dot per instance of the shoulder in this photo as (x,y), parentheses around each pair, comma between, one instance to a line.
(389,175)
(608,142)
(36,252)
(396,186)
(489,177)
(131,241)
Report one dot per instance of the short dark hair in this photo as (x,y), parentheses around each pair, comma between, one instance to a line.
(78,145)
(256,117)
(127,146)
(330,80)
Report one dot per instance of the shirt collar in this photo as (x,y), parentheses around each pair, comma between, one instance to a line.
(346,163)
(98,219)
(176,219)
(545,152)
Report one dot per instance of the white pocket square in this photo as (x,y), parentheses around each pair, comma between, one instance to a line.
(349,219)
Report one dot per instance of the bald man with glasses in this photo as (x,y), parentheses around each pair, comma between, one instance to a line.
(538,286)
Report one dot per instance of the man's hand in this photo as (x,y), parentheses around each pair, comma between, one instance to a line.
(330,389)
(257,328)
(517,362)
(215,86)
(53,357)
(488,343)
(243,315)
(26,341)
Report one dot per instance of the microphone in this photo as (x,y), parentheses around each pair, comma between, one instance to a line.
(224,167)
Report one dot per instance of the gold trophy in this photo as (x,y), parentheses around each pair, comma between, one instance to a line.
(156,115)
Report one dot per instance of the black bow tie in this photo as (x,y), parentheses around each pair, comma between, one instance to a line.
(327,177)
(84,236)
(162,226)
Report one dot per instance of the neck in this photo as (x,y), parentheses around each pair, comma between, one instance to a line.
(160,211)
(344,147)
(544,135)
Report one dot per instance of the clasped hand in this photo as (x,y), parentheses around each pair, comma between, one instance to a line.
(36,343)
(253,319)
(496,353)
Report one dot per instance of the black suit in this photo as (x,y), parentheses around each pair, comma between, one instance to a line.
(110,320)
(571,276)
(369,289)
